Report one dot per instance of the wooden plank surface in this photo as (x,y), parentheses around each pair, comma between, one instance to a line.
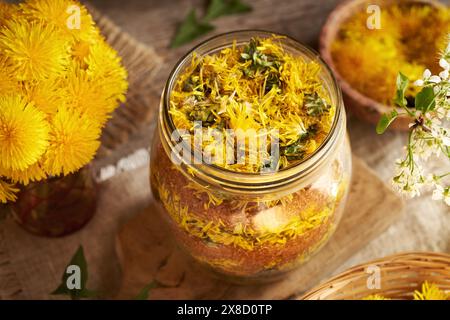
(154,22)
(147,253)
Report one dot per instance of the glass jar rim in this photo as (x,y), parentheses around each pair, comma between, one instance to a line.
(262,180)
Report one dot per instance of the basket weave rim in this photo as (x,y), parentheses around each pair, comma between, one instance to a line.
(402,273)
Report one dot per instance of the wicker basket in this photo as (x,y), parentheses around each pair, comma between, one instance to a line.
(401,275)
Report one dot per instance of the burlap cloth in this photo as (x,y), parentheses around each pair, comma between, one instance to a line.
(31,267)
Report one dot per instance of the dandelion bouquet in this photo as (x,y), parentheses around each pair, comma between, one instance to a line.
(59,84)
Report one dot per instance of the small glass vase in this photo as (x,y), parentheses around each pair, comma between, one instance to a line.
(58,206)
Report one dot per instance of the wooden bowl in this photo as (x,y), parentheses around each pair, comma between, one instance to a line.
(401,275)
(362,106)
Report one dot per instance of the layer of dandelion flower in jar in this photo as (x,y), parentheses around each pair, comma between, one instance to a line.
(251,160)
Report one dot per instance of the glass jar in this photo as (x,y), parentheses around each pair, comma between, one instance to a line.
(252,227)
(57,206)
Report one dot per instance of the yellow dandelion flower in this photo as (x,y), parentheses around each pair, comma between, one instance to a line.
(430,291)
(46,95)
(23,133)
(70,17)
(370,60)
(86,96)
(422,44)
(31,174)
(105,67)
(7,11)
(7,192)
(35,50)
(73,142)
(80,51)
(8,82)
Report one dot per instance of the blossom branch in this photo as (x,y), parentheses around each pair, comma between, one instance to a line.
(429,133)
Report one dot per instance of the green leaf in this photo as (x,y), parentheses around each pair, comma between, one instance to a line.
(402,85)
(425,100)
(78,260)
(219,8)
(143,295)
(386,120)
(190,29)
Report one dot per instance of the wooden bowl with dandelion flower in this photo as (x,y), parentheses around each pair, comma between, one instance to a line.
(400,276)
(360,103)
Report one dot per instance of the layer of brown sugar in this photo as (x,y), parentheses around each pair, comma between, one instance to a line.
(236,261)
